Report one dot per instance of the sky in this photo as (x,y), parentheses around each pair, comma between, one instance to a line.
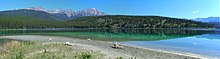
(170,8)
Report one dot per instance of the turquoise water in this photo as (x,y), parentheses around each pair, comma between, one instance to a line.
(205,44)
(202,42)
(113,34)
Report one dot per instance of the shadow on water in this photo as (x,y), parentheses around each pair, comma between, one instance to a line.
(112,34)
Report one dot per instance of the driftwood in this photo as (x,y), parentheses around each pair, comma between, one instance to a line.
(117,46)
(68,43)
(50,39)
(88,39)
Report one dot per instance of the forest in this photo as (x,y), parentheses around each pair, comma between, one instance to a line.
(110,21)
(122,22)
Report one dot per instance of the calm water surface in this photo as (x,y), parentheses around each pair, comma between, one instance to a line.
(202,42)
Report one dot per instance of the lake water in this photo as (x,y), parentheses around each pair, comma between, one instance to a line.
(202,42)
(206,44)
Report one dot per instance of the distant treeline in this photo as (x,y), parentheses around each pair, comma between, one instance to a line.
(121,22)
(25,22)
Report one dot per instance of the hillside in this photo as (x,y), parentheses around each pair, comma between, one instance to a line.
(217,24)
(28,22)
(120,21)
(209,19)
(30,13)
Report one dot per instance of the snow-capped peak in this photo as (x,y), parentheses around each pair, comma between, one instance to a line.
(54,11)
(90,12)
(36,8)
(92,9)
(70,13)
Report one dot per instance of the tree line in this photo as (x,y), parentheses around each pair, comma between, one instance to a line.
(118,21)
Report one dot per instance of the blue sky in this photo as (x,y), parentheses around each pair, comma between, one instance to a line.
(171,8)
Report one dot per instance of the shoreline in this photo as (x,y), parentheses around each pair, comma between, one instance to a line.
(171,52)
(141,53)
(117,28)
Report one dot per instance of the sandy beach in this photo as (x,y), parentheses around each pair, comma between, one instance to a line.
(104,48)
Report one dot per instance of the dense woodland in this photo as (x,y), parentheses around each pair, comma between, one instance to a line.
(25,22)
(31,13)
(121,22)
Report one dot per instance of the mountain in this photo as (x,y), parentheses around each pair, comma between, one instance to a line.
(217,24)
(69,14)
(30,13)
(122,22)
(109,21)
(209,19)
(30,19)
(66,14)
(89,12)
(35,8)
(29,22)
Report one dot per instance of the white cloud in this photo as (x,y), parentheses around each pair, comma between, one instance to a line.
(196,11)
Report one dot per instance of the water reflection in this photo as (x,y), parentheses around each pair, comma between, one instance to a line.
(113,34)
(205,44)
(192,41)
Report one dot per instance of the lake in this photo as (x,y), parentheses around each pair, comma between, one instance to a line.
(202,42)
(205,44)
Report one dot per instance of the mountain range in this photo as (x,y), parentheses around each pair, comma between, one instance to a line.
(30,14)
(40,18)
(211,20)
(68,13)
(55,14)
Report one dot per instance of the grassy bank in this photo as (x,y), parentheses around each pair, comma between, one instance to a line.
(43,50)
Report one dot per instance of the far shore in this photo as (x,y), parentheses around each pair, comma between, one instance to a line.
(116,28)
(104,47)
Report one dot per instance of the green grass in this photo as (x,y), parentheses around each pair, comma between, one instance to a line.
(42,50)
(3,41)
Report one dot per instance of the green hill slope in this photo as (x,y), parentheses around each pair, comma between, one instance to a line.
(120,21)
(27,22)
(31,13)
